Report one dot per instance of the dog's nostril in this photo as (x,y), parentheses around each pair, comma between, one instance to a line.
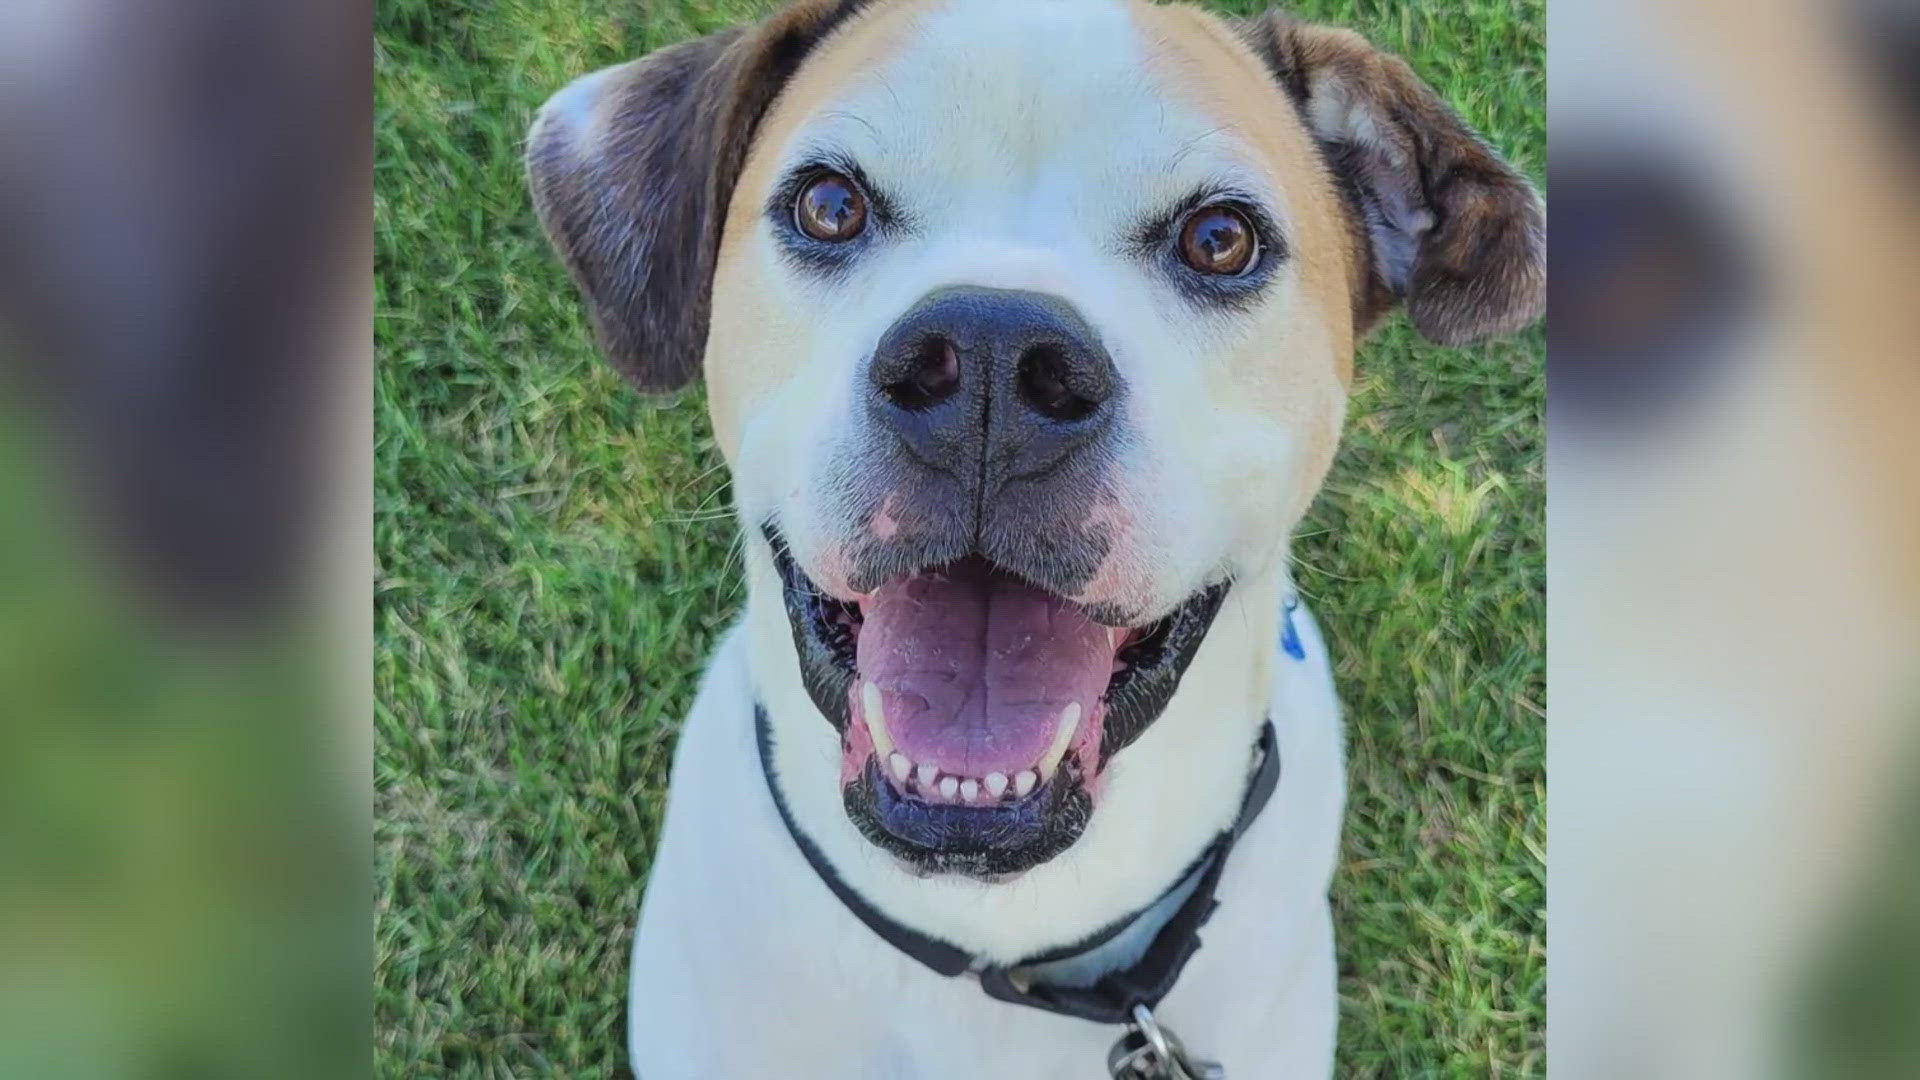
(933,374)
(1047,383)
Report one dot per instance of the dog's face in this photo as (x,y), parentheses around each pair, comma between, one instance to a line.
(1027,329)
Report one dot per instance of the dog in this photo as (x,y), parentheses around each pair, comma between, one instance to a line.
(1027,330)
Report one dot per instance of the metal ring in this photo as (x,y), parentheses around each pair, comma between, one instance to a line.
(1143,1019)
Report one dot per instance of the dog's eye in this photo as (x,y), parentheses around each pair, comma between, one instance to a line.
(1218,239)
(830,207)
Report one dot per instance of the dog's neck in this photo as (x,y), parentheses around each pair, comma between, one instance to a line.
(1166,797)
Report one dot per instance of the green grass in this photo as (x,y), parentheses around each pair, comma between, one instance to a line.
(554,567)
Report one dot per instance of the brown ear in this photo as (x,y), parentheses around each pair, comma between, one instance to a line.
(1447,226)
(632,168)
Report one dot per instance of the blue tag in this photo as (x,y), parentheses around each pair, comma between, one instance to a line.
(1290,637)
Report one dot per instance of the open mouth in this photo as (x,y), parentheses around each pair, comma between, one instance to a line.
(978,711)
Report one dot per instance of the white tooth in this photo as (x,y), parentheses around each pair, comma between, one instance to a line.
(901,767)
(996,784)
(876,720)
(928,774)
(1023,782)
(948,785)
(1069,723)
(969,790)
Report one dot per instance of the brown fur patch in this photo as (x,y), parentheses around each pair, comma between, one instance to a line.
(635,205)
(1200,58)
(1451,228)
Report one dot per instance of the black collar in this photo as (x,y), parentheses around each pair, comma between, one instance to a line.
(1109,998)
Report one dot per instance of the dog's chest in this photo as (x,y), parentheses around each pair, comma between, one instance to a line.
(746,965)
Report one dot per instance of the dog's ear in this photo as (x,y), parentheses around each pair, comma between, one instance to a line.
(632,168)
(1449,227)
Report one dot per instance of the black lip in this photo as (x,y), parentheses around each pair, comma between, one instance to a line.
(984,841)
(1138,695)
(826,664)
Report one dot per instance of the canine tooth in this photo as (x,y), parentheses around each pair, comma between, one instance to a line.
(927,774)
(1023,782)
(1069,723)
(902,768)
(876,720)
(996,784)
(969,789)
(948,785)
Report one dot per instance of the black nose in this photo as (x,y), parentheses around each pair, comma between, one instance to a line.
(993,383)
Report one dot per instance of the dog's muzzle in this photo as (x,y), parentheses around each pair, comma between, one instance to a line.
(988,424)
(977,700)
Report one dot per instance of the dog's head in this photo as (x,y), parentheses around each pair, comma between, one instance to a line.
(1027,330)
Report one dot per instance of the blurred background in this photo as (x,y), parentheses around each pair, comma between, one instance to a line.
(1733,539)
(185,461)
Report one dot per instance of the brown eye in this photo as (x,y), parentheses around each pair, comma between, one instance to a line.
(1218,240)
(830,207)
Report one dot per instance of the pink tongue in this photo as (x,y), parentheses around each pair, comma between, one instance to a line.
(974,667)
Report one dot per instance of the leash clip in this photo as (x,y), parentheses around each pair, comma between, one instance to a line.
(1150,1052)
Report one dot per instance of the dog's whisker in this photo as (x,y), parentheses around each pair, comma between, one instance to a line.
(698,519)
